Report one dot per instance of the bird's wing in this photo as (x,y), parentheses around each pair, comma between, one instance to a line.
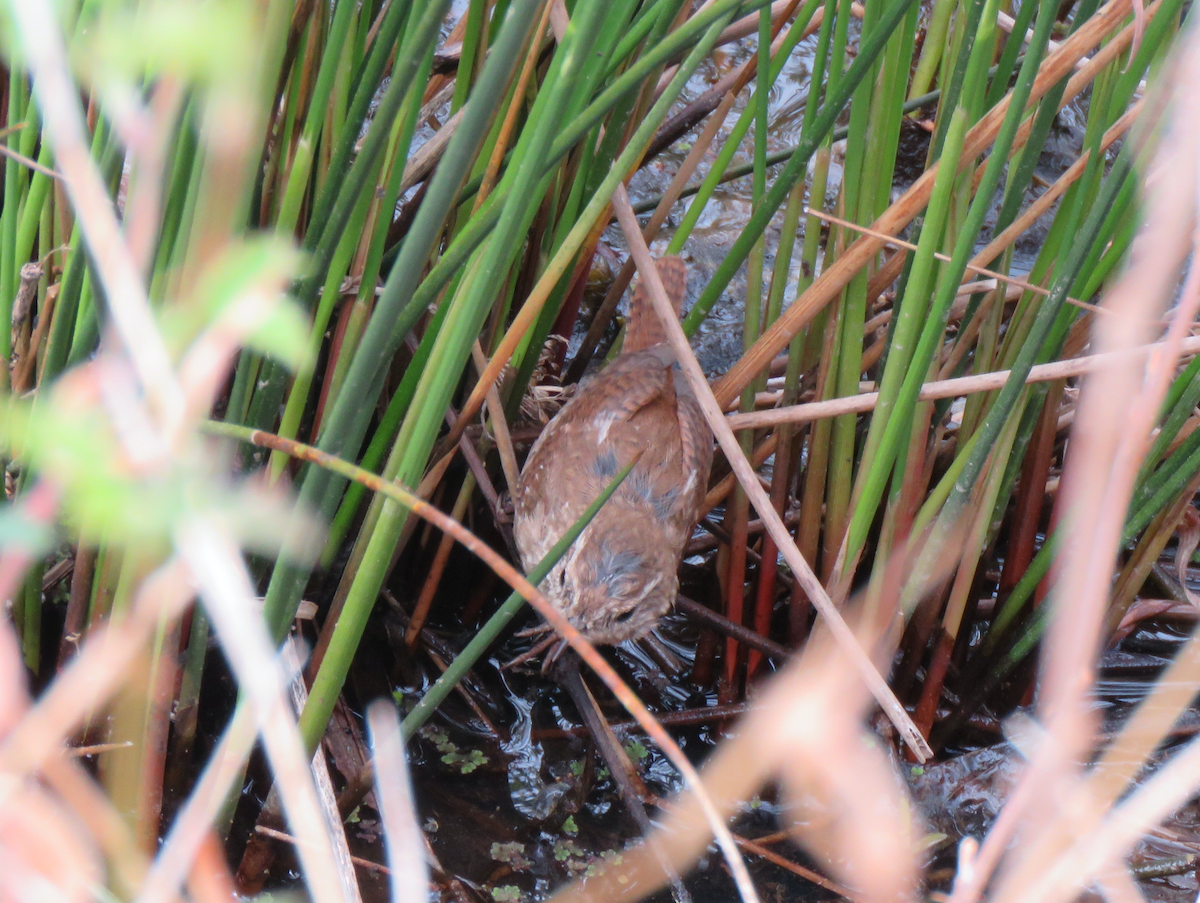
(696,440)
(622,389)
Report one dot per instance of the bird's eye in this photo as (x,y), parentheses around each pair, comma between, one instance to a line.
(625,617)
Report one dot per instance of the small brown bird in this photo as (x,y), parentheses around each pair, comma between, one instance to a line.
(621,574)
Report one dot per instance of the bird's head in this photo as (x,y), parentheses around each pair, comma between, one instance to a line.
(614,584)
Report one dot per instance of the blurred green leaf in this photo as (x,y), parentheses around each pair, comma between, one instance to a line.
(207,41)
(73,445)
(243,291)
(68,439)
(18,532)
(282,334)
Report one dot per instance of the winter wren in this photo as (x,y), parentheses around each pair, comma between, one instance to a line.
(621,574)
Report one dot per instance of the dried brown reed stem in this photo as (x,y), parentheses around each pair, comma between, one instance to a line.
(955,388)
(748,25)
(500,431)
(34,165)
(831,282)
(749,480)
(510,117)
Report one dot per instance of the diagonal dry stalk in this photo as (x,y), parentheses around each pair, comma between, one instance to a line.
(552,615)
(971,267)
(758,497)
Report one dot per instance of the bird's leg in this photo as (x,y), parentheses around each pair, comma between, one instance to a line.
(554,655)
(538,649)
(535,630)
(632,790)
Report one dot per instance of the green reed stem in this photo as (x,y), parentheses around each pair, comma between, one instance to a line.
(487,634)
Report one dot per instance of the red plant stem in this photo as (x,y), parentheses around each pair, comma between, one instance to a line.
(935,679)
(764,604)
(735,586)
(1035,470)
(77,604)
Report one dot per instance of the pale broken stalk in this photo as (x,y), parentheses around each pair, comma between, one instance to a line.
(758,496)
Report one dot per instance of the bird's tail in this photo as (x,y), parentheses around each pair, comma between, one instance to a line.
(644,328)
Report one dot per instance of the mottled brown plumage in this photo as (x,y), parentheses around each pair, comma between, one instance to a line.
(620,576)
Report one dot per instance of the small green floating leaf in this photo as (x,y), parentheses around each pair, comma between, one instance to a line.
(565,849)
(471,761)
